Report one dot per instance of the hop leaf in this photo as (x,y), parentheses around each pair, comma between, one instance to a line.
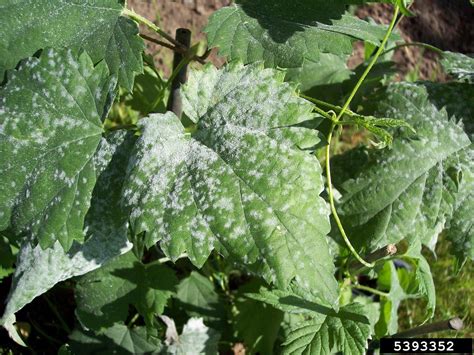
(238,183)
(38,270)
(459,66)
(51,144)
(288,34)
(399,192)
(103,296)
(96,26)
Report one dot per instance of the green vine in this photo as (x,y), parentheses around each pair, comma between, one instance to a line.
(335,120)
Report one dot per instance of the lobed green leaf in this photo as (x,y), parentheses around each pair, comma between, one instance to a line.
(94,25)
(459,66)
(38,270)
(238,183)
(289,34)
(51,144)
(104,295)
(398,192)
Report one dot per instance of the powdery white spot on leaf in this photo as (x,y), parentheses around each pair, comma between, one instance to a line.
(51,145)
(106,225)
(95,26)
(239,183)
(407,191)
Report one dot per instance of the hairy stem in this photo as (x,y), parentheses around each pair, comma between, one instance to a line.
(333,205)
(331,131)
(182,50)
(160,43)
(380,254)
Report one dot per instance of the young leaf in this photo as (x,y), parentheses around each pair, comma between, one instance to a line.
(375,124)
(38,270)
(51,134)
(347,331)
(97,26)
(426,287)
(384,200)
(103,296)
(287,33)
(238,182)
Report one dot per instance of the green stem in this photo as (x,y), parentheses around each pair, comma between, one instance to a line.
(333,205)
(140,19)
(326,104)
(331,131)
(371,290)
(414,44)
(371,64)
(58,315)
(323,113)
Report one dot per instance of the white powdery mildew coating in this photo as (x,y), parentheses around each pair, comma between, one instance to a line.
(95,26)
(393,193)
(51,130)
(238,183)
(39,270)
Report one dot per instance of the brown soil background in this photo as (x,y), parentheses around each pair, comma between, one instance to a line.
(446,24)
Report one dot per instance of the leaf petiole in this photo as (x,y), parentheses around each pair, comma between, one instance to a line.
(140,19)
(414,44)
(326,104)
